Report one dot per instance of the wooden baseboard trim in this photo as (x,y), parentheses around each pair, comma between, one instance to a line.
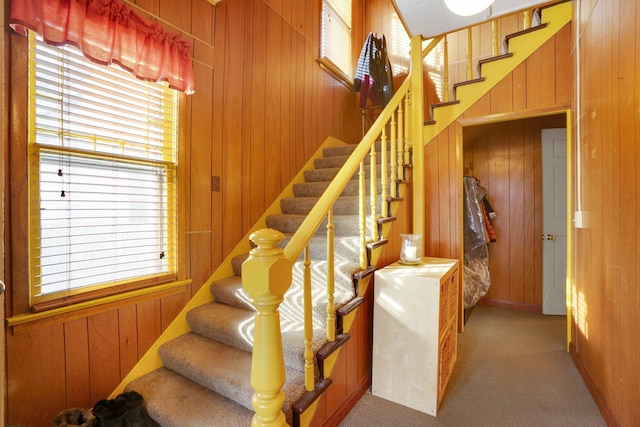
(349,403)
(605,410)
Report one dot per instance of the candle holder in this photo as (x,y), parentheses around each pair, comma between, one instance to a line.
(411,251)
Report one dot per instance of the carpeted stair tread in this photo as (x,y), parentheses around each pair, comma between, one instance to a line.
(229,291)
(229,325)
(344,225)
(345,150)
(174,401)
(316,189)
(346,247)
(327,174)
(303,205)
(339,150)
(221,368)
(344,205)
(234,327)
(236,262)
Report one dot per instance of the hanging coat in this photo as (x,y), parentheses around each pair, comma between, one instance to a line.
(374,63)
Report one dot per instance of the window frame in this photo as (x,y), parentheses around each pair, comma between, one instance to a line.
(346,77)
(109,289)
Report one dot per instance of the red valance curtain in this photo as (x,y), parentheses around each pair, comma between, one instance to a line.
(108,31)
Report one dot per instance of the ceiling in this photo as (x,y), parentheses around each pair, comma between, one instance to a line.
(430,18)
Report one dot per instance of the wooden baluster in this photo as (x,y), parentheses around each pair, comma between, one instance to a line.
(373,188)
(266,276)
(309,380)
(392,150)
(469,54)
(408,128)
(362,212)
(445,90)
(383,177)
(331,315)
(494,37)
(398,152)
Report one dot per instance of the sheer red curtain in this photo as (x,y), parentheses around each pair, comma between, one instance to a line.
(107,31)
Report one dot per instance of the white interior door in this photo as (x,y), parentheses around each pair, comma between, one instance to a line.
(554,221)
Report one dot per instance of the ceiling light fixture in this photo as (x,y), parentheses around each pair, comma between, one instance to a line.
(467,7)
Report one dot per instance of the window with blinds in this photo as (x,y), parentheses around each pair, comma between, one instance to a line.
(102,169)
(336,36)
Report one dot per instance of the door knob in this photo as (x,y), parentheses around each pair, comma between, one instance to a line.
(551,237)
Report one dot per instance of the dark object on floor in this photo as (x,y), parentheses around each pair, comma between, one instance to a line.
(126,410)
(74,417)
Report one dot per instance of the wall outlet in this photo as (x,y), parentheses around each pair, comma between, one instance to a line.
(580,219)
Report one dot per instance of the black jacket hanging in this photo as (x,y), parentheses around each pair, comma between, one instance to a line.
(374,76)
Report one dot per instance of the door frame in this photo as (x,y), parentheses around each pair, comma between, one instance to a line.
(570,193)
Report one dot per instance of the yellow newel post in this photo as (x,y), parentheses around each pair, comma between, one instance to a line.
(266,276)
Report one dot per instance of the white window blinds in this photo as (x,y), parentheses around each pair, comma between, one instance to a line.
(102,158)
(336,42)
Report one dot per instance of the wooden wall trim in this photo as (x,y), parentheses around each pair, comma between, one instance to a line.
(25,323)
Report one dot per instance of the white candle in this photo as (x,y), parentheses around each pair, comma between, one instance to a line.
(410,253)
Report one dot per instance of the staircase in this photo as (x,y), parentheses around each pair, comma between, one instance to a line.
(200,376)
(205,377)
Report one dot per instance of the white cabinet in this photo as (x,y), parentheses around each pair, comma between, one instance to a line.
(415,332)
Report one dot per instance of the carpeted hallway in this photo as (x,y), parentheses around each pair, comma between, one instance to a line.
(512,370)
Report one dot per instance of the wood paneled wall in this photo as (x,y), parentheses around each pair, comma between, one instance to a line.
(538,86)
(606,341)
(261,100)
(506,158)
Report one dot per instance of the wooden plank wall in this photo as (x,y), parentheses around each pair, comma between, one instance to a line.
(261,99)
(606,340)
(534,86)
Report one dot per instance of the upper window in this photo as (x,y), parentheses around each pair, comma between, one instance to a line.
(336,42)
(102,176)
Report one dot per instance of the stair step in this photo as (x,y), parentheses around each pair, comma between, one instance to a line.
(316,189)
(338,161)
(327,174)
(345,205)
(344,150)
(345,225)
(224,323)
(346,248)
(174,401)
(237,261)
(339,150)
(234,327)
(465,83)
(221,368)
(492,59)
(229,291)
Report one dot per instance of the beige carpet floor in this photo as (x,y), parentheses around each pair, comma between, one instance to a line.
(512,370)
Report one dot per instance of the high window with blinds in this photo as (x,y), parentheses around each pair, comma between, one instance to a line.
(102,159)
(336,37)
